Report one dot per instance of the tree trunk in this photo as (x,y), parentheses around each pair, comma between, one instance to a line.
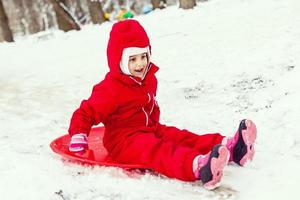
(96,11)
(158,4)
(187,4)
(5,32)
(155,3)
(32,17)
(78,9)
(65,20)
(47,15)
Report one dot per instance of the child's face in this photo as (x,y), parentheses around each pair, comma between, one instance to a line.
(137,65)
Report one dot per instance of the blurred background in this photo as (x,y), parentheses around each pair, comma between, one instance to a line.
(25,17)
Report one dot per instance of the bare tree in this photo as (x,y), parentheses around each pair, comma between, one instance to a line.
(158,4)
(96,11)
(47,15)
(5,31)
(29,16)
(78,9)
(155,3)
(65,20)
(32,16)
(187,4)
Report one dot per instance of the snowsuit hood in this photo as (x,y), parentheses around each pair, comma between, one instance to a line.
(124,34)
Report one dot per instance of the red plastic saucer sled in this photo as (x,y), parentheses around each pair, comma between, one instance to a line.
(95,155)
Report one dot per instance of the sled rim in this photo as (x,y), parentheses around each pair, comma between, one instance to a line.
(63,151)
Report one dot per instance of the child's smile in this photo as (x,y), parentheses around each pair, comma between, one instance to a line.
(139,72)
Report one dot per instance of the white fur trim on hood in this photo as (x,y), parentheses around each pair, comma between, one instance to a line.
(131,51)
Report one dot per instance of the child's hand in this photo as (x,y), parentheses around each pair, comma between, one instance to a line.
(78,143)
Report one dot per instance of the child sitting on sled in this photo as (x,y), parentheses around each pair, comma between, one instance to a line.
(125,103)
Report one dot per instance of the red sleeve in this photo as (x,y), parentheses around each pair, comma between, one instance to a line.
(94,110)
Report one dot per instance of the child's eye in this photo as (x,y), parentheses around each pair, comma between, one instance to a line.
(131,59)
(144,56)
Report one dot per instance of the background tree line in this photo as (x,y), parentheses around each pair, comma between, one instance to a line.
(25,17)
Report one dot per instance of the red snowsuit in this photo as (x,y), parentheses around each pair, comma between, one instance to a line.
(127,107)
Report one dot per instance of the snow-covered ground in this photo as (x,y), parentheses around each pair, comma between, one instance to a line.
(220,62)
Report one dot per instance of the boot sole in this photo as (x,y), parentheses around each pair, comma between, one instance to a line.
(216,166)
(244,150)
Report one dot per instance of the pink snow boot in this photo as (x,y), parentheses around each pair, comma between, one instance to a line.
(209,167)
(241,145)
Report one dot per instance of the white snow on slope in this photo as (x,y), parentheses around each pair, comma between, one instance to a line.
(220,62)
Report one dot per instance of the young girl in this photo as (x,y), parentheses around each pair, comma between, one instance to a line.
(125,103)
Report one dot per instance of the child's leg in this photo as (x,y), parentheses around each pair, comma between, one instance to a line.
(169,159)
(202,143)
(160,155)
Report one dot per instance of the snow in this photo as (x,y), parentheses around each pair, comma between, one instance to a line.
(219,63)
